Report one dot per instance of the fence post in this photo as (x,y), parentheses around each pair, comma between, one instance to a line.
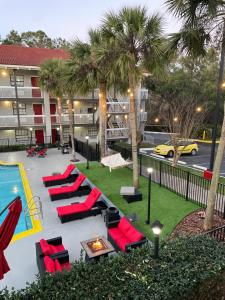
(140,160)
(224,211)
(160,173)
(187,186)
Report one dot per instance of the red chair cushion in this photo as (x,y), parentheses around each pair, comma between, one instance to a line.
(71,209)
(124,225)
(49,264)
(122,242)
(92,198)
(52,178)
(45,247)
(66,266)
(56,248)
(68,171)
(133,235)
(115,233)
(58,267)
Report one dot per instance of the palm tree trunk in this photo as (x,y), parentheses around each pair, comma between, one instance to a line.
(60,119)
(208,223)
(70,110)
(102,117)
(133,127)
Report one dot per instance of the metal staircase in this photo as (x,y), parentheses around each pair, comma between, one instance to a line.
(33,209)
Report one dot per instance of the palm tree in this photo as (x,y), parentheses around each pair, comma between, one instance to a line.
(201,20)
(136,46)
(49,79)
(87,72)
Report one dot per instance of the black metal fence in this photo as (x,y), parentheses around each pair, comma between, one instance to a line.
(217,233)
(186,184)
(90,151)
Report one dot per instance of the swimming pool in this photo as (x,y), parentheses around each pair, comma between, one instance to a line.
(11,186)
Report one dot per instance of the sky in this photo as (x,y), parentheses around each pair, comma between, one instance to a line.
(69,18)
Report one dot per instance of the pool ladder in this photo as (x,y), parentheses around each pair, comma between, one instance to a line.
(33,208)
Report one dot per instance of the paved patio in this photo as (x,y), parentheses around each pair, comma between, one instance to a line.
(21,254)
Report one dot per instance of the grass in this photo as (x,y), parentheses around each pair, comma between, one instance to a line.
(166,206)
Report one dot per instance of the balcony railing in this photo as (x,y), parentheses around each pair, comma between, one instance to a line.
(118,107)
(37,120)
(8,92)
(117,133)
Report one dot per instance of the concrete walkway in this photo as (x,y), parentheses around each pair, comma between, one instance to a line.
(21,255)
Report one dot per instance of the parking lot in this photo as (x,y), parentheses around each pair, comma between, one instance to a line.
(202,158)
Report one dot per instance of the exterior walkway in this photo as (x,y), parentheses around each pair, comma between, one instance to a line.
(21,254)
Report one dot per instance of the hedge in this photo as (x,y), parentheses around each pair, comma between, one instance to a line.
(188,268)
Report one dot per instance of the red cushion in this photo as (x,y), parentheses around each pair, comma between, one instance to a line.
(49,264)
(61,190)
(45,247)
(115,233)
(52,178)
(56,248)
(124,225)
(78,181)
(71,209)
(133,235)
(92,198)
(58,267)
(122,242)
(68,171)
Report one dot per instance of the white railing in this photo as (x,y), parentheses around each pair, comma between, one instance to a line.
(23,92)
(144,94)
(118,107)
(117,133)
(78,119)
(25,120)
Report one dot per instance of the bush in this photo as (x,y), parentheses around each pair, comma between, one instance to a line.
(186,265)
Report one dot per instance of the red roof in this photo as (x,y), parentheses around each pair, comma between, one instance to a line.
(24,56)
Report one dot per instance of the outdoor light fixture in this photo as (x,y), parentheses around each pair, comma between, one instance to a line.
(199,109)
(223,85)
(131,94)
(87,139)
(117,117)
(142,110)
(156,120)
(100,94)
(128,90)
(31,129)
(57,128)
(156,228)
(175,119)
(149,170)
(124,107)
(108,115)
(3,73)
(125,116)
(95,108)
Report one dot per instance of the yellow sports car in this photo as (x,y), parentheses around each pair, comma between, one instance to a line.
(167,149)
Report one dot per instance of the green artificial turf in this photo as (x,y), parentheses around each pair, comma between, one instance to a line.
(166,206)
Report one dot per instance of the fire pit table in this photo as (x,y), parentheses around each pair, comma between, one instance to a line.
(96,247)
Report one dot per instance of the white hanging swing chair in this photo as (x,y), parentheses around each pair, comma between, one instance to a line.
(115,161)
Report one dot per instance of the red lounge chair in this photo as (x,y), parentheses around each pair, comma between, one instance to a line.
(123,236)
(74,190)
(31,152)
(42,153)
(80,210)
(67,177)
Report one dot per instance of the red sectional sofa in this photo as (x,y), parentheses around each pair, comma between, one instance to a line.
(52,248)
(58,179)
(123,236)
(74,190)
(80,210)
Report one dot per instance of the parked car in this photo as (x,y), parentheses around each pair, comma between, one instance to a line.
(185,147)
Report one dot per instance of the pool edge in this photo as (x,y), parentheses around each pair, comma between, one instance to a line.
(36,224)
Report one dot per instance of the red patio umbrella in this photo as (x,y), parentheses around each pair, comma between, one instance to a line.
(7,230)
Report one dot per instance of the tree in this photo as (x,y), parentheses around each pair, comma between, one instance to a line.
(137,45)
(201,19)
(88,70)
(13,38)
(50,79)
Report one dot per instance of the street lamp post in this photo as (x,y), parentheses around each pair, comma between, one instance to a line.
(149,170)
(156,228)
(87,139)
(31,131)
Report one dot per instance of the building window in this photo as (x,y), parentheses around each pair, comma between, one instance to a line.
(90,110)
(19,80)
(22,108)
(21,134)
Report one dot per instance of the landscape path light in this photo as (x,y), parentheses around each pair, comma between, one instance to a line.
(149,170)
(157,229)
(87,144)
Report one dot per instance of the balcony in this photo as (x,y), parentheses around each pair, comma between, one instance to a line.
(117,133)
(40,120)
(8,92)
(118,107)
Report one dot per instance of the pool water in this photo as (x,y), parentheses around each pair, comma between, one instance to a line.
(11,186)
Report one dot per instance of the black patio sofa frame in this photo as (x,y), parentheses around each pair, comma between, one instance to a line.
(62,256)
(128,247)
(94,211)
(81,191)
(71,178)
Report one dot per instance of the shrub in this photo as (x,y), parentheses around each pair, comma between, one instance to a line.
(186,265)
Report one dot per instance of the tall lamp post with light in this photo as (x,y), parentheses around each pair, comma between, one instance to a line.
(149,170)
(156,228)
(87,144)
